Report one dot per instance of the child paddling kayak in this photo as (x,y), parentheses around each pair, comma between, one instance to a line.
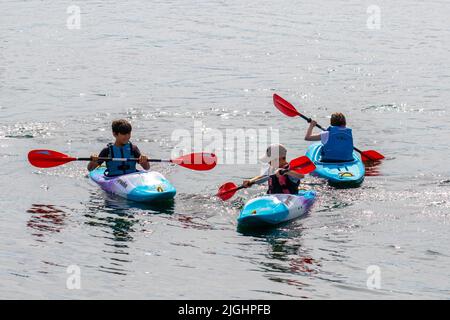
(278,181)
(121,148)
(337,140)
(334,157)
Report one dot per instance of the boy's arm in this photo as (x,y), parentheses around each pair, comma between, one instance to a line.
(264,177)
(309,136)
(94,163)
(248,183)
(254,180)
(142,158)
(144,163)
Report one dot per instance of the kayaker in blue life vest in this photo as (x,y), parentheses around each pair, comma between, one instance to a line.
(279,183)
(337,140)
(121,148)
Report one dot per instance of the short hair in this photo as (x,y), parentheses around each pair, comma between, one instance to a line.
(121,126)
(338,119)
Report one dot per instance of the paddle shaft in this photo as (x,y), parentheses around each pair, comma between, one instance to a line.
(122,159)
(253,181)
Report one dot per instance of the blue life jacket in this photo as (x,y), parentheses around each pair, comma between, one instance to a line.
(339,146)
(117,168)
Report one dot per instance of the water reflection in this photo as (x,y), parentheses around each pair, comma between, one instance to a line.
(372,168)
(191,222)
(117,220)
(287,245)
(288,260)
(118,216)
(195,211)
(287,255)
(45,218)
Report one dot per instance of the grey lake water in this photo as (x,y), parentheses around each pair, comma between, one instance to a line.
(169,65)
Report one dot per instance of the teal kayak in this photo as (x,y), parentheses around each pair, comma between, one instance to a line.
(273,209)
(141,186)
(339,174)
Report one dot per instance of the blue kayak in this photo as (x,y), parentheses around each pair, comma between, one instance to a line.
(140,186)
(338,174)
(273,209)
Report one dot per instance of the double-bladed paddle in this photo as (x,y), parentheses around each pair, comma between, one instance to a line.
(302,165)
(200,161)
(288,109)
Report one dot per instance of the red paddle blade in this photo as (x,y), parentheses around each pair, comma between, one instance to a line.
(48,158)
(371,155)
(200,161)
(284,106)
(302,165)
(227,190)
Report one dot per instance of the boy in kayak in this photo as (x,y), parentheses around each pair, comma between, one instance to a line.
(278,183)
(337,140)
(121,148)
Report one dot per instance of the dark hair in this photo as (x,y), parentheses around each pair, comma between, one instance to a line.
(121,126)
(338,119)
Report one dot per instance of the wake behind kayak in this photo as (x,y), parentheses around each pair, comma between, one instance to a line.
(141,186)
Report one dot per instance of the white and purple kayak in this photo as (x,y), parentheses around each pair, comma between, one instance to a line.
(141,186)
(273,209)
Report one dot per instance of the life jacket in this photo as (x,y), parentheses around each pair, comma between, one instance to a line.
(339,146)
(282,184)
(117,168)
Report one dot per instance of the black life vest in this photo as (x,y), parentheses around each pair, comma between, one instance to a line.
(282,184)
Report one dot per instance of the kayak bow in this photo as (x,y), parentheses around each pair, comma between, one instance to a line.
(273,209)
(141,186)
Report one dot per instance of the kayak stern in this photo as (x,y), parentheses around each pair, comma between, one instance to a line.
(340,175)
